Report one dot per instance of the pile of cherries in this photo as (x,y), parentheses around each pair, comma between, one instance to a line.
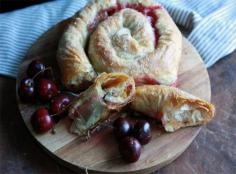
(131,137)
(39,84)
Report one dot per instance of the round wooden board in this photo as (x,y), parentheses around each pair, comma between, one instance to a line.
(100,153)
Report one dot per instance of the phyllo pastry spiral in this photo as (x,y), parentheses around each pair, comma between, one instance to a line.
(175,108)
(109,93)
(135,37)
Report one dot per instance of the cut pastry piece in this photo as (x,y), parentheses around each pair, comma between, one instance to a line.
(109,93)
(135,37)
(175,108)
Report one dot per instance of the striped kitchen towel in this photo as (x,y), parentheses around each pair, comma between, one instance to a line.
(211,25)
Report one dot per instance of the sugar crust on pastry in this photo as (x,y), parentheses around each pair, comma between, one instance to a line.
(174,107)
(123,41)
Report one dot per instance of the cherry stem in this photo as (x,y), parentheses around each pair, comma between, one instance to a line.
(53,115)
(86,170)
(71,93)
(65,108)
(48,68)
(88,136)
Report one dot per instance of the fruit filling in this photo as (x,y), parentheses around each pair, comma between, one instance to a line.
(147,80)
(149,12)
(116,89)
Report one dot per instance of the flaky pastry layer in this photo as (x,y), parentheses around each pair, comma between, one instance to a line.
(174,107)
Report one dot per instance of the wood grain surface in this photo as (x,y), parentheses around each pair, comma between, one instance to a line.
(212,151)
(100,152)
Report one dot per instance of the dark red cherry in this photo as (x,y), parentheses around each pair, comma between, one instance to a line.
(122,127)
(47,89)
(48,74)
(59,104)
(130,149)
(41,120)
(26,90)
(142,131)
(34,67)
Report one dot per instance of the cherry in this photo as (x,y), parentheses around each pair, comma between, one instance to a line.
(35,67)
(26,90)
(122,127)
(45,74)
(142,131)
(130,149)
(59,104)
(41,121)
(47,89)
(48,74)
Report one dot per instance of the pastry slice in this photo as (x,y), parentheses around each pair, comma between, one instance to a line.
(174,108)
(109,93)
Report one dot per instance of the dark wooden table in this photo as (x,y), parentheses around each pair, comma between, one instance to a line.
(212,152)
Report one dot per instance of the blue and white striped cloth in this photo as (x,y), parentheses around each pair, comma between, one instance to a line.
(212,26)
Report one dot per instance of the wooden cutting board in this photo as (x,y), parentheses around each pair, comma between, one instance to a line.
(100,153)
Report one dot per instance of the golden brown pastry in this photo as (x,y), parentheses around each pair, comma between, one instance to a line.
(136,37)
(109,93)
(175,108)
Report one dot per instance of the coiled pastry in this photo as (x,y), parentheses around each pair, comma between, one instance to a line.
(136,37)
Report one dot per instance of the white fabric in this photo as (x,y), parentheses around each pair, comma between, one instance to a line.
(212,26)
